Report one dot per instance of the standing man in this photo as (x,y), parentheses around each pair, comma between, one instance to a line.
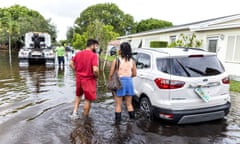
(36,40)
(85,65)
(60,50)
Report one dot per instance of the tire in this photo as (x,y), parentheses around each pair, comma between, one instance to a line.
(135,102)
(146,107)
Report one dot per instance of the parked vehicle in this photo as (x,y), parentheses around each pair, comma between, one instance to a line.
(113,51)
(37,49)
(181,85)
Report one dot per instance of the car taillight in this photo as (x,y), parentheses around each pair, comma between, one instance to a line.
(168,84)
(226,80)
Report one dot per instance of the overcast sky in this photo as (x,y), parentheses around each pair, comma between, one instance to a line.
(64,12)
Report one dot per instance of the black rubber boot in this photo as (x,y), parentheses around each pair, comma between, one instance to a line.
(131,114)
(117,117)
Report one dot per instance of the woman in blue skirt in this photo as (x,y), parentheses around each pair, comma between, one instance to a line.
(126,71)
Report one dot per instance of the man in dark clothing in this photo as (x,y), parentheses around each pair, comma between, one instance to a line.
(36,40)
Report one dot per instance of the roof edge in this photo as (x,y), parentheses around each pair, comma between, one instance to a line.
(194,26)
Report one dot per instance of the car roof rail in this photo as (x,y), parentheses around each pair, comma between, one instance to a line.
(187,48)
(156,50)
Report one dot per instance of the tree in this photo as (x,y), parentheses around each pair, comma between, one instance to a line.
(187,41)
(70,34)
(108,14)
(151,23)
(18,20)
(103,33)
(97,30)
(79,41)
(9,26)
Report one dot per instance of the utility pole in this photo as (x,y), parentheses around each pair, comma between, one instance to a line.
(9,49)
(9,40)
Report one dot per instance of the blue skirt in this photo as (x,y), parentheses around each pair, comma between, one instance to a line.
(127,87)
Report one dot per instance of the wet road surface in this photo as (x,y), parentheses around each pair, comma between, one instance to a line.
(35,104)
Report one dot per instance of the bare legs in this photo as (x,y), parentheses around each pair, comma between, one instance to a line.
(76,103)
(129,103)
(118,108)
(86,108)
(118,101)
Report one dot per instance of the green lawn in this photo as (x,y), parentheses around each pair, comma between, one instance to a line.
(234,86)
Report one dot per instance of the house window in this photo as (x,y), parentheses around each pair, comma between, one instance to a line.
(173,39)
(233,49)
(212,44)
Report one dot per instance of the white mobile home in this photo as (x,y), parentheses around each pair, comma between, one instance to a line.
(220,35)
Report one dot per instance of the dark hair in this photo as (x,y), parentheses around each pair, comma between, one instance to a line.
(126,51)
(91,42)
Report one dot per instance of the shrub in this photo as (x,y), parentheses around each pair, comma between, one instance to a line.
(187,41)
(158,44)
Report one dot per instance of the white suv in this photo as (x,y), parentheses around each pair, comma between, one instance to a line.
(182,85)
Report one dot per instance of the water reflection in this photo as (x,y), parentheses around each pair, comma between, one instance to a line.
(124,134)
(162,132)
(23,88)
(60,76)
(84,132)
(38,78)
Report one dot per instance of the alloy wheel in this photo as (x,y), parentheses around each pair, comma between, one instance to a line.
(146,106)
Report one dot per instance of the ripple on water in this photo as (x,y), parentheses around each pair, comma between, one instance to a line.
(19,108)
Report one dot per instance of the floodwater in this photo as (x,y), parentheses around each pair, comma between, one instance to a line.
(35,104)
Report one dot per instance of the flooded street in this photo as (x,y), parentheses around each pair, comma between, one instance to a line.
(35,104)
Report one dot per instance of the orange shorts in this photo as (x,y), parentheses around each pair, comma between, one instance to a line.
(88,87)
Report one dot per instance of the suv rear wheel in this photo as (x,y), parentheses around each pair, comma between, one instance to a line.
(146,106)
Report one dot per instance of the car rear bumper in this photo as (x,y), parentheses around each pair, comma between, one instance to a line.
(194,115)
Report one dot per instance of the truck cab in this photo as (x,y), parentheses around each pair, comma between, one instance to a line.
(37,49)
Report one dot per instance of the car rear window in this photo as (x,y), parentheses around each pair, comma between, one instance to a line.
(191,66)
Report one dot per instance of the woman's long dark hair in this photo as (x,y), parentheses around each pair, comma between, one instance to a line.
(126,51)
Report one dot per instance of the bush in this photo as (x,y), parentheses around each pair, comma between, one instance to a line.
(158,44)
(187,42)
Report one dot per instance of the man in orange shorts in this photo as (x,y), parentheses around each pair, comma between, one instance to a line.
(85,64)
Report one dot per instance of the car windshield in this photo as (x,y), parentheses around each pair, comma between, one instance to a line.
(196,66)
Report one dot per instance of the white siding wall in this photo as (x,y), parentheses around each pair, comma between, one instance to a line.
(148,39)
(231,67)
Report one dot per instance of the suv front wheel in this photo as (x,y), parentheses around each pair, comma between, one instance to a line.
(146,106)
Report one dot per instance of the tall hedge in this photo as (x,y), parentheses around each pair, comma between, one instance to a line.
(158,44)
